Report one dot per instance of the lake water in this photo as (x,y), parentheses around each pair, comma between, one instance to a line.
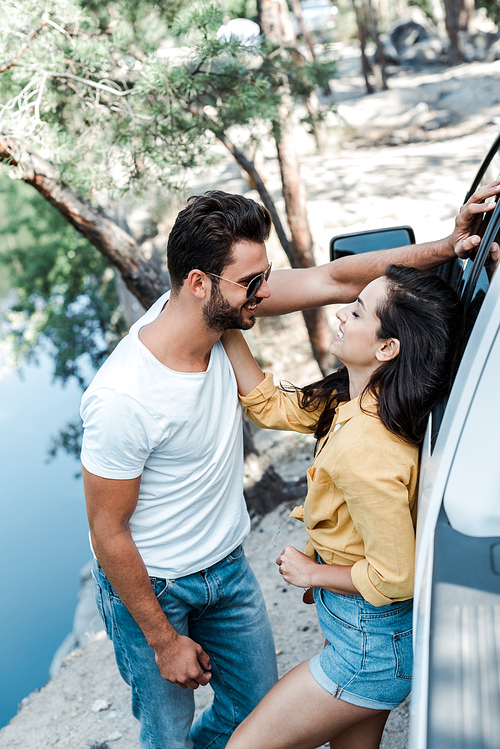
(43,531)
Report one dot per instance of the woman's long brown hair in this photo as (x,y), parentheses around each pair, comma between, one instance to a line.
(425,314)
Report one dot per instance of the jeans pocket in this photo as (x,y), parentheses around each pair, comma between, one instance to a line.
(340,608)
(403,649)
(160,586)
(100,605)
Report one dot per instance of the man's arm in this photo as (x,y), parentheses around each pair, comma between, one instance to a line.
(110,505)
(342,280)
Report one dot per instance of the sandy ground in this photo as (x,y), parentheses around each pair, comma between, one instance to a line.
(361,182)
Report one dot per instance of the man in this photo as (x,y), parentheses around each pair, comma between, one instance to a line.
(163,463)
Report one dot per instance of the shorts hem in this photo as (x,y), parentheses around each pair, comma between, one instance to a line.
(343,694)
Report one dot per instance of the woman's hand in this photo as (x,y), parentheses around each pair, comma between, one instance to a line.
(302,571)
(296,568)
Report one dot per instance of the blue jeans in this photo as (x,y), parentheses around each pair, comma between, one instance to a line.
(222,609)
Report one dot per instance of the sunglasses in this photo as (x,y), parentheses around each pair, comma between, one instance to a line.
(252,286)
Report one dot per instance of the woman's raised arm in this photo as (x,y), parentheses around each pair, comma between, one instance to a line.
(247,371)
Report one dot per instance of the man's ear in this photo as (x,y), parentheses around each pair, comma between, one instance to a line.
(388,350)
(198,283)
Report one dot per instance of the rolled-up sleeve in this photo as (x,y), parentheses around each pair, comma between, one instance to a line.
(375,480)
(272,408)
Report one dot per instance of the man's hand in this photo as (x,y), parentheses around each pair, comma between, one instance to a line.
(296,568)
(465,237)
(183,662)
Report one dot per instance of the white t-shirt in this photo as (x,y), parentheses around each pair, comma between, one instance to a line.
(182,433)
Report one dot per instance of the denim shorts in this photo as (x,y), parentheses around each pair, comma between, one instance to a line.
(369,654)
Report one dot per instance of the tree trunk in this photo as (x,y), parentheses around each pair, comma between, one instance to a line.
(297,12)
(302,244)
(466,16)
(276,26)
(363,37)
(379,66)
(452,22)
(143,279)
(318,129)
(251,170)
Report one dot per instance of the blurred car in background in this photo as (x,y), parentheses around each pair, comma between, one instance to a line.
(318,16)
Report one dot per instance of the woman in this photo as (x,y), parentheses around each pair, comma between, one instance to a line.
(397,344)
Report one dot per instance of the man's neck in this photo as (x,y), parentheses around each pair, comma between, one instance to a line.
(179,338)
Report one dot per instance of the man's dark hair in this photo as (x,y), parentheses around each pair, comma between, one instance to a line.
(206,230)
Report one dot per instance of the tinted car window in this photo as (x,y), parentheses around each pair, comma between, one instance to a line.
(473,280)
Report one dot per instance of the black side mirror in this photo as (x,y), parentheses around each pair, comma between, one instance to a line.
(386,239)
(367,241)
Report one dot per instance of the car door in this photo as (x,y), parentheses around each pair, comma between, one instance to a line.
(456,684)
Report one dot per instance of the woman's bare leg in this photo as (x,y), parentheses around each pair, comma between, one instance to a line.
(366,734)
(299,714)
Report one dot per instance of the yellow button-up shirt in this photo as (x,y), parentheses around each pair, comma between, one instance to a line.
(361,503)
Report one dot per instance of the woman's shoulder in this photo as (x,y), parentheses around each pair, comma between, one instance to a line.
(368,428)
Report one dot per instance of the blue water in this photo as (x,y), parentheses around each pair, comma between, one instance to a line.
(43,531)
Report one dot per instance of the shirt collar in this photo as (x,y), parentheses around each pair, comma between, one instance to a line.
(349,409)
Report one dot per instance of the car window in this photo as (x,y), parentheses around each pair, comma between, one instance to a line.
(473,280)
(489,169)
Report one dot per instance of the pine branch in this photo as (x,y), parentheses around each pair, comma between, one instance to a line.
(24,47)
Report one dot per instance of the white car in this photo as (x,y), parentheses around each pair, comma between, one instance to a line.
(456,679)
(318,16)
(455,701)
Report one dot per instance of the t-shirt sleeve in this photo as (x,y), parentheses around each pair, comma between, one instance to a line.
(118,434)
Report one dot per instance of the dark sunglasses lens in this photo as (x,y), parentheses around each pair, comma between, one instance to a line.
(257,282)
(254,286)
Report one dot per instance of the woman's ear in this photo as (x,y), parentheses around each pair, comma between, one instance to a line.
(388,350)
(198,283)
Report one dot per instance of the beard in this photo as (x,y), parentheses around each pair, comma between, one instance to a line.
(219,315)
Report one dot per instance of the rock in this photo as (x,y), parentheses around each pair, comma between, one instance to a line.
(86,621)
(100,705)
(418,115)
(398,137)
(114,736)
(412,39)
(494,52)
(409,28)
(440,119)
(476,46)
(428,52)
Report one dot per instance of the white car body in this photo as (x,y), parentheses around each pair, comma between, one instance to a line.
(456,679)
